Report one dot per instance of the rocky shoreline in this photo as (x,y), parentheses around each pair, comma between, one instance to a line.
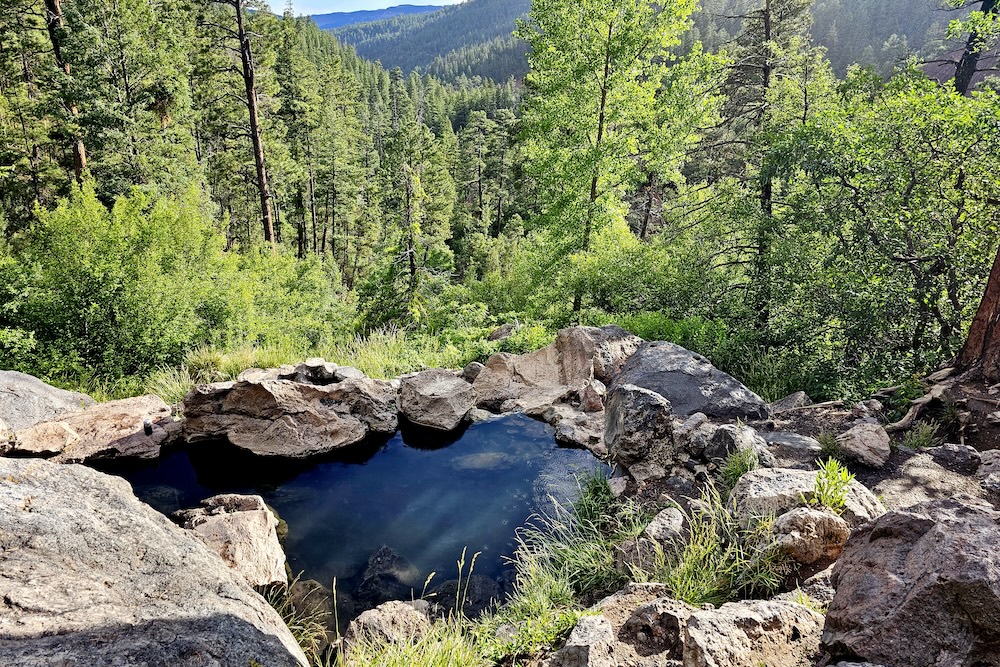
(907,569)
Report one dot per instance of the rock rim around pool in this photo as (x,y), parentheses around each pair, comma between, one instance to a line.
(288,418)
(25,400)
(92,576)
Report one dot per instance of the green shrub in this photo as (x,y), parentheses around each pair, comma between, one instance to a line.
(828,446)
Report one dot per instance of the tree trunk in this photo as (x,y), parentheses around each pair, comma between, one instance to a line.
(968,65)
(54,23)
(250,83)
(981,352)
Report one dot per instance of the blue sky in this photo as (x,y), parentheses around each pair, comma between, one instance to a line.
(327,6)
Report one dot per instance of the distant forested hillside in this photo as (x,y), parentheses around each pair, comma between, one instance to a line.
(336,20)
(870,32)
(472,38)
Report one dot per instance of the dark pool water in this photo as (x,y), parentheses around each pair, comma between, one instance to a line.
(425,497)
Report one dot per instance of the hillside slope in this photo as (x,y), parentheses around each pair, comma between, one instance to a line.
(457,37)
(335,20)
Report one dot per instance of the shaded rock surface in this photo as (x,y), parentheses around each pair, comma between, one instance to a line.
(638,426)
(690,383)
(791,450)
(287,418)
(388,576)
(92,576)
(799,399)
(961,459)
(920,587)
(132,428)
(25,400)
(436,399)
(738,634)
(475,594)
(920,479)
(242,530)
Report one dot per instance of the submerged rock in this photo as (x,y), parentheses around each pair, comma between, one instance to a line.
(133,428)
(388,576)
(436,399)
(290,419)
(25,400)
(243,531)
(919,588)
(92,576)
(690,383)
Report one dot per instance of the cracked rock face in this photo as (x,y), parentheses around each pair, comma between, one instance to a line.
(920,587)
(92,576)
(271,417)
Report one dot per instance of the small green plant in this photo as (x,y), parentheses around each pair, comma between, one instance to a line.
(738,464)
(808,601)
(831,486)
(924,434)
(828,446)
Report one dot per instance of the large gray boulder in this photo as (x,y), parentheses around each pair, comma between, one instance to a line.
(690,383)
(26,400)
(740,634)
(919,588)
(132,428)
(555,373)
(92,576)
(242,530)
(867,443)
(436,399)
(778,490)
(591,644)
(638,426)
(290,419)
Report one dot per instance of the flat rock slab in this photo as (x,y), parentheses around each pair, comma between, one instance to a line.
(778,490)
(691,383)
(26,400)
(132,428)
(92,576)
(921,479)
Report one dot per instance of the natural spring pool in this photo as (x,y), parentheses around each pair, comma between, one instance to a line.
(424,495)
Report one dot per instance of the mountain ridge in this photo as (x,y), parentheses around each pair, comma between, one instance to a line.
(334,20)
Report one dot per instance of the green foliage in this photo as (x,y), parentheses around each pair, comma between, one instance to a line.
(724,558)
(924,434)
(829,448)
(738,464)
(833,482)
(446,644)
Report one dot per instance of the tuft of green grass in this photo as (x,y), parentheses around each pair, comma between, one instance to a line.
(308,628)
(170,384)
(923,435)
(448,643)
(829,448)
(831,485)
(808,601)
(724,558)
(738,464)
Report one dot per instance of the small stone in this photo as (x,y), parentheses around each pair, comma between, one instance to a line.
(808,535)
(667,528)
(643,472)
(472,371)
(797,400)
(591,644)
(618,485)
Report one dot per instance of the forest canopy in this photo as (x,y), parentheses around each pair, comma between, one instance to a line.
(185,182)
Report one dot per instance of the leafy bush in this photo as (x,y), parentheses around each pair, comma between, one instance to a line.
(924,434)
